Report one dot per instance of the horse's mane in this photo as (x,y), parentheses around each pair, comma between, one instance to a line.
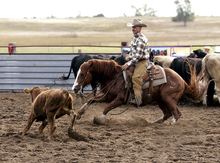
(105,68)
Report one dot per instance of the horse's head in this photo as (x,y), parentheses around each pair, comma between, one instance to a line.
(83,78)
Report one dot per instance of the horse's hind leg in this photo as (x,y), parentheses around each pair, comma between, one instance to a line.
(173,108)
(166,112)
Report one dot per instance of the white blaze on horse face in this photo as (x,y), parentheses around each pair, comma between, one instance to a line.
(76,83)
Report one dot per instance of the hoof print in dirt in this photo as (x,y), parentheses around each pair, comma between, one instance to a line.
(78,136)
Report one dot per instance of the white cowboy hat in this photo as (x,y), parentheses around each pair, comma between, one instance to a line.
(208,47)
(137,23)
(217,49)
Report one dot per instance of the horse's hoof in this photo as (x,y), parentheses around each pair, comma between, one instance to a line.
(98,121)
(173,121)
(78,116)
(71,130)
(160,120)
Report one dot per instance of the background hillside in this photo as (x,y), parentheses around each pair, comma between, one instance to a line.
(108,31)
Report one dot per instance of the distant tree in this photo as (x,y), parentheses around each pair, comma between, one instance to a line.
(147,11)
(52,17)
(137,10)
(79,15)
(184,13)
(99,15)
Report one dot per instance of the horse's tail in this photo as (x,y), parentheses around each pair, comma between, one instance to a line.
(195,90)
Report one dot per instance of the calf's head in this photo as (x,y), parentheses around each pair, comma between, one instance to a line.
(35,91)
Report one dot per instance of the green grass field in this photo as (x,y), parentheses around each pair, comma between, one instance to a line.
(105,32)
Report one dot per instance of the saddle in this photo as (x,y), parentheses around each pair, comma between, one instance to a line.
(153,72)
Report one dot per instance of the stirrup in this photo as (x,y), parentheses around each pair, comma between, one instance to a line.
(135,102)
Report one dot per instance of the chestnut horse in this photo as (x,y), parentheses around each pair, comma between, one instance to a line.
(112,85)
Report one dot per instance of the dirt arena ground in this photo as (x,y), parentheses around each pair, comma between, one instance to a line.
(129,137)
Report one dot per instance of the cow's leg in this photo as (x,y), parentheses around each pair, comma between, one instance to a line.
(210,93)
(42,126)
(73,116)
(166,112)
(51,121)
(204,101)
(29,123)
(116,102)
(218,95)
(83,109)
(52,127)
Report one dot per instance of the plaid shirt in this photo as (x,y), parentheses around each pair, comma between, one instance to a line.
(139,48)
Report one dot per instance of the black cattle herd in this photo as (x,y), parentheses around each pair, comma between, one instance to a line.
(179,65)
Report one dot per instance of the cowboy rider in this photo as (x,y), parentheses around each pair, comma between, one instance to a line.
(139,55)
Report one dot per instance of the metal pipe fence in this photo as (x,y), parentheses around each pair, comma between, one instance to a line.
(84,48)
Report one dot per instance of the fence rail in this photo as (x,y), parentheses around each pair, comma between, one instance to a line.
(85,48)
(19,71)
(59,49)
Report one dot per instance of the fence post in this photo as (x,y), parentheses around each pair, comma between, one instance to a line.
(12,48)
(124,43)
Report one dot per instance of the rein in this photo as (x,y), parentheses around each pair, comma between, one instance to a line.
(123,110)
(105,87)
(111,83)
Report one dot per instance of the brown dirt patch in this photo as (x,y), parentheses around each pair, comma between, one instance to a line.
(129,137)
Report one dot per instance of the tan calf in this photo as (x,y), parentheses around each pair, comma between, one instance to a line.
(48,106)
(35,91)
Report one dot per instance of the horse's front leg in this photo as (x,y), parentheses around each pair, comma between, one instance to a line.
(83,109)
(116,102)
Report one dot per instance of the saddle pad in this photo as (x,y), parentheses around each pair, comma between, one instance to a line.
(156,82)
(156,72)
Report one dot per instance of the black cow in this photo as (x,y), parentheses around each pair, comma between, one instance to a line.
(197,53)
(181,66)
(120,59)
(200,53)
(80,59)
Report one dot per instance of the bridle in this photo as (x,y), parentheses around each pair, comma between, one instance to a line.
(84,78)
(112,84)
